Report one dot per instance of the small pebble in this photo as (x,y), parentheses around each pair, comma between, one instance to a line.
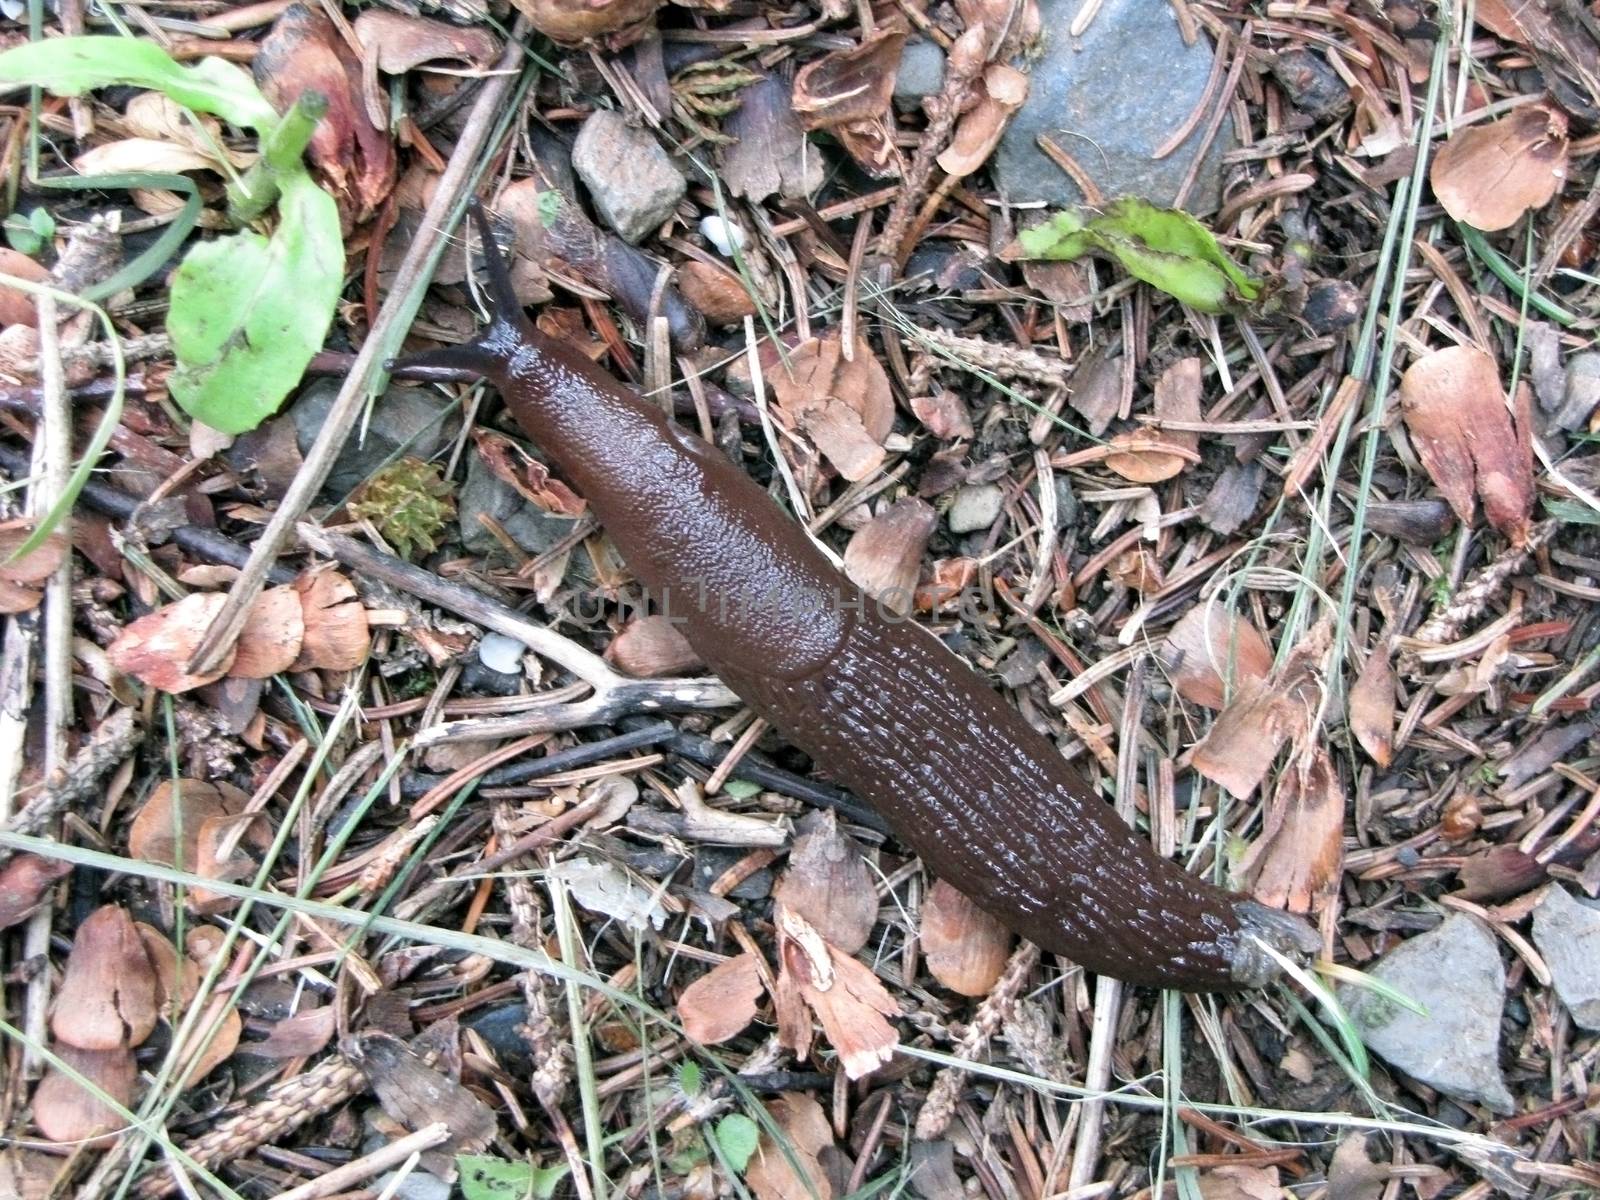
(501,653)
(724,235)
(976,507)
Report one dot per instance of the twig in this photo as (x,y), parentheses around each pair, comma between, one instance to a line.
(113,741)
(369,1165)
(614,695)
(1447,619)
(940,1105)
(102,497)
(397,309)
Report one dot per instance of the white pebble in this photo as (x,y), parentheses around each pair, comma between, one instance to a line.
(724,235)
(501,653)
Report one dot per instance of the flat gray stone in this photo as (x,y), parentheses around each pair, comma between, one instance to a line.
(529,526)
(1456,974)
(405,421)
(976,507)
(921,70)
(631,180)
(1109,99)
(1567,933)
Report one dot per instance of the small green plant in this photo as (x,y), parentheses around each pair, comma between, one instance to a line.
(1164,247)
(248,310)
(29,233)
(737,1137)
(484,1177)
(408,502)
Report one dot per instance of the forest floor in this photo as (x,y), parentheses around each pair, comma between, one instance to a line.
(1218,380)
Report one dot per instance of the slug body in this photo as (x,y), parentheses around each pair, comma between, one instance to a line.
(881,706)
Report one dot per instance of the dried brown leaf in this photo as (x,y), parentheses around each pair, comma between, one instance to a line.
(845,995)
(1295,863)
(884,557)
(270,640)
(299,1036)
(24,880)
(166,829)
(416,1095)
(1177,398)
(18,307)
(828,884)
(715,291)
(157,647)
(350,152)
(966,949)
(771,1174)
(1240,1181)
(1003,89)
(852,85)
(214,1039)
(108,993)
(31,1174)
(398,43)
(1372,706)
(513,465)
(1489,175)
(651,647)
(1354,1176)
(1455,411)
(1208,648)
(573,21)
(67,1112)
(177,976)
(845,405)
(336,637)
(719,1004)
(1250,731)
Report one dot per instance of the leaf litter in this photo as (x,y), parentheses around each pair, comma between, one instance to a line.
(1289,529)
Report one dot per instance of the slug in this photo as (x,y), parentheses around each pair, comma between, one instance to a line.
(880,705)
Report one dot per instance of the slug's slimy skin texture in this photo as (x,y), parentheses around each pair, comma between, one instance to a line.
(882,707)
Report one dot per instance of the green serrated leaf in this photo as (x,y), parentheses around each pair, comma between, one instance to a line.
(484,1177)
(72,66)
(689,1077)
(737,1137)
(1165,247)
(248,312)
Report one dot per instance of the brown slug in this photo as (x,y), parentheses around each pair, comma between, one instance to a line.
(880,705)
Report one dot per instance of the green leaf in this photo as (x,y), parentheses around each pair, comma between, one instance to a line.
(484,1177)
(22,235)
(71,66)
(248,312)
(737,1136)
(1164,247)
(549,207)
(741,789)
(689,1077)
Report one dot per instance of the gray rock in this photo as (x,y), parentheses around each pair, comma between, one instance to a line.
(1456,974)
(529,526)
(405,421)
(1567,933)
(976,507)
(418,1185)
(1582,391)
(921,70)
(633,183)
(1109,99)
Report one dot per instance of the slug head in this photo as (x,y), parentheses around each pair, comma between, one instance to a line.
(488,354)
